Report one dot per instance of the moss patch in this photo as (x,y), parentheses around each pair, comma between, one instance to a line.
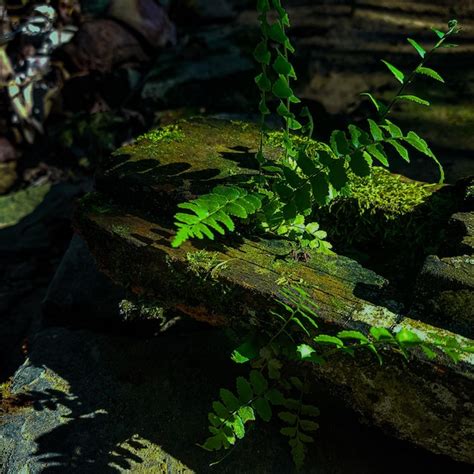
(387,209)
(16,206)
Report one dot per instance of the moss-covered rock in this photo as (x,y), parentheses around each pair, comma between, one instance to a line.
(16,206)
(235,282)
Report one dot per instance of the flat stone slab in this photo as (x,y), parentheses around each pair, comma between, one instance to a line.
(128,228)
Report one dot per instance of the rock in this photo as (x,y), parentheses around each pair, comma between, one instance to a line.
(202,11)
(8,176)
(147,19)
(78,293)
(444,294)
(17,206)
(92,403)
(223,81)
(235,281)
(7,152)
(101,45)
(461,234)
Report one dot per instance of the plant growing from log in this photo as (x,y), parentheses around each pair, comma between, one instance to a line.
(272,386)
(281,198)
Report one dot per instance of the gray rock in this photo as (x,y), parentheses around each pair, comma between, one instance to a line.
(79,291)
(444,294)
(89,403)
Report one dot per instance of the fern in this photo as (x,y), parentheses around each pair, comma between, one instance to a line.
(212,213)
(270,388)
(282,197)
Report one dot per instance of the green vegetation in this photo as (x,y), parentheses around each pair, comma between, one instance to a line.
(272,385)
(168,133)
(282,198)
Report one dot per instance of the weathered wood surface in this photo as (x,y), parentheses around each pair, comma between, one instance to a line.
(236,282)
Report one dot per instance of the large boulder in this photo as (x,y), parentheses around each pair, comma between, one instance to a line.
(127,226)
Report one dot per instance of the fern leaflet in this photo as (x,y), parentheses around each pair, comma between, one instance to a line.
(212,212)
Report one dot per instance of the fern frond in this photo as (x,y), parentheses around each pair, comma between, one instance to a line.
(212,213)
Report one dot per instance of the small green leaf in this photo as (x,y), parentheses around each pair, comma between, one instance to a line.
(401,150)
(263,409)
(261,54)
(289,431)
(287,417)
(439,33)
(276,33)
(379,105)
(381,334)
(399,76)
(378,153)
(352,335)
(338,174)
(246,414)
(426,71)
(275,397)
(282,66)
(258,381)
(360,163)
(220,410)
(238,426)
(326,339)
(407,337)
(310,410)
(375,131)
(414,98)
(263,83)
(230,400)
(309,425)
(263,108)
(213,443)
(320,187)
(339,143)
(297,383)
(420,50)
(245,352)
(281,89)
(244,390)
(304,351)
(430,354)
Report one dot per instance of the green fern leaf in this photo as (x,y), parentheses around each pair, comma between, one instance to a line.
(375,131)
(400,149)
(212,212)
(360,163)
(426,71)
(263,409)
(420,50)
(379,105)
(414,98)
(377,152)
(399,76)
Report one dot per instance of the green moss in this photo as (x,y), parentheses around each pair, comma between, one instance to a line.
(121,230)
(275,139)
(387,209)
(388,193)
(142,309)
(169,133)
(7,176)
(96,203)
(16,206)
(57,383)
(5,390)
(203,263)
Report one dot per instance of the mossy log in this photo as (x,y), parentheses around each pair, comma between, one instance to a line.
(128,228)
